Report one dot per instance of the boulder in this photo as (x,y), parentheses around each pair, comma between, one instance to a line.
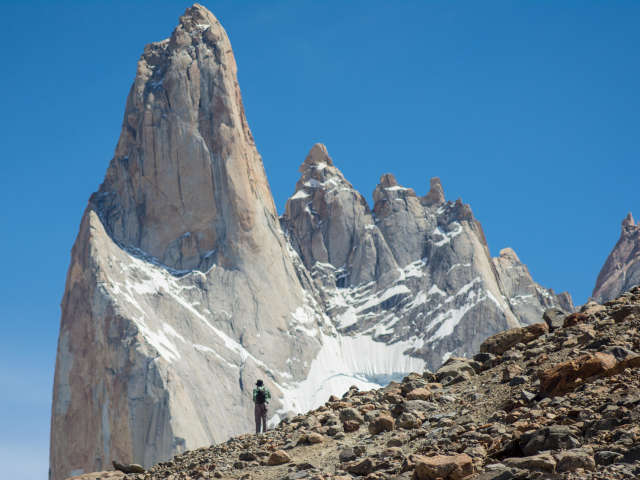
(382,423)
(313,438)
(419,394)
(572,460)
(347,455)
(510,371)
(607,457)
(503,341)
(128,467)
(363,467)
(350,414)
(565,376)
(574,319)
(279,457)
(351,426)
(456,370)
(543,462)
(555,437)
(451,467)
(554,318)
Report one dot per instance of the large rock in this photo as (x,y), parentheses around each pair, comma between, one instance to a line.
(503,341)
(543,462)
(572,460)
(279,457)
(621,270)
(556,437)
(567,375)
(453,467)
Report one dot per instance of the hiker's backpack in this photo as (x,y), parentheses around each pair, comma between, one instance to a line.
(261,397)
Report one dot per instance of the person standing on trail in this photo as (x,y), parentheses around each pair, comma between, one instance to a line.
(261,397)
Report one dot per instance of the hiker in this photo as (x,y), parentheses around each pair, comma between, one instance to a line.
(261,397)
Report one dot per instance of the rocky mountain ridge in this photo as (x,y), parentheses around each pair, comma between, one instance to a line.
(185,286)
(555,400)
(621,271)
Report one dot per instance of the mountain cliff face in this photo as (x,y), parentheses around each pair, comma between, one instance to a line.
(621,271)
(185,287)
(169,313)
(414,271)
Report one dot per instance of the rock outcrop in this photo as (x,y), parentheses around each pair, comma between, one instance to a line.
(621,271)
(185,287)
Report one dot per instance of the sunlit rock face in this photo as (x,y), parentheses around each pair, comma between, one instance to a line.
(185,287)
(621,271)
(413,271)
(182,290)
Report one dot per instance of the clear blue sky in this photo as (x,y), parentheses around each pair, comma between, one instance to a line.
(526,110)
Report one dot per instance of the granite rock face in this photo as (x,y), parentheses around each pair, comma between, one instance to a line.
(169,313)
(621,271)
(185,287)
(414,272)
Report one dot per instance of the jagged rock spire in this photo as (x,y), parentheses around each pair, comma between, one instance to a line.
(628,221)
(186,184)
(435,195)
(621,270)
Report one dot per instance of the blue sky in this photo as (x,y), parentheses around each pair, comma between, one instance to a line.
(526,110)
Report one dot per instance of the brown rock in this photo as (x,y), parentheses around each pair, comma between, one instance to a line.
(382,423)
(574,319)
(567,375)
(572,460)
(503,341)
(363,467)
(452,467)
(128,467)
(510,371)
(313,438)
(279,457)
(351,426)
(543,462)
(419,394)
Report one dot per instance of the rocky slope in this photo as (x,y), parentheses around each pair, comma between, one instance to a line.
(557,399)
(185,287)
(621,271)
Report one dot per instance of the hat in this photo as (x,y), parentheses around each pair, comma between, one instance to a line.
(259,383)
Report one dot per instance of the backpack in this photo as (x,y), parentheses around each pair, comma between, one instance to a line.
(261,396)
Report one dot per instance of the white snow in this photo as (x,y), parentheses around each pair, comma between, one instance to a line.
(458,265)
(448,321)
(395,188)
(386,295)
(344,361)
(414,269)
(202,348)
(435,290)
(448,235)
(299,194)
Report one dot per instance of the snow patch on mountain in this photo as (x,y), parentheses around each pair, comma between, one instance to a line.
(349,360)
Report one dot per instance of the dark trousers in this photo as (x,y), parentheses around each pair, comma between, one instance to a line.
(260,411)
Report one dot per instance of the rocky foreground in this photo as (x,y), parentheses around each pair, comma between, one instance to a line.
(557,399)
